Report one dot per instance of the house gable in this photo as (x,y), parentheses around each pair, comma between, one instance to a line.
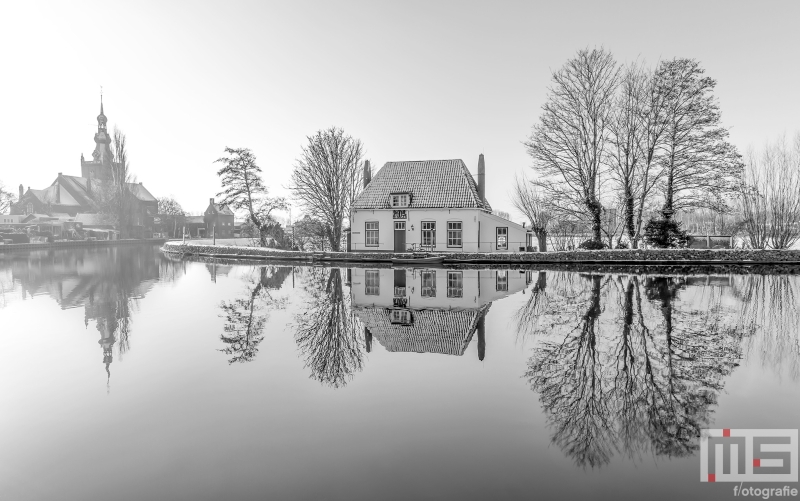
(430,184)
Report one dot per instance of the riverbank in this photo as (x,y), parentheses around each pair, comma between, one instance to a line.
(649,257)
(70,244)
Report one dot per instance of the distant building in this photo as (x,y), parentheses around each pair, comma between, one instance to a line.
(73,195)
(434,205)
(219,220)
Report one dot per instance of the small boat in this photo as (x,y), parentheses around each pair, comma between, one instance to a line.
(418,260)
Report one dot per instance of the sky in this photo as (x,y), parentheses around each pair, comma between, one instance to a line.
(411,80)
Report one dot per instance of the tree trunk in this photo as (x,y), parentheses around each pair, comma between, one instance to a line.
(541,236)
(629,222)
(596,210)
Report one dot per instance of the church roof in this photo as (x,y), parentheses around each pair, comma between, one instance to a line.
(431,331)
(431,183)
(140,192)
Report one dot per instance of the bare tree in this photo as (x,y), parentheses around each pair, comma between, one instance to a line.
(243,189)
(569,142)
(168,205)
(701,168)
(634,136)
(769,197)
(6,199)
(114,199)
(527,199)
(327,178)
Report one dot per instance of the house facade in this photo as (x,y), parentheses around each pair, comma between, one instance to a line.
(219,220)
(433,205)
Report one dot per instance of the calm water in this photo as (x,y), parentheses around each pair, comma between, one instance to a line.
(125,375)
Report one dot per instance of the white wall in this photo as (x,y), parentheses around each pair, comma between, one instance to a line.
(469,219)
(479,287)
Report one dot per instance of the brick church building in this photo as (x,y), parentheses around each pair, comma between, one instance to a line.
(68,196)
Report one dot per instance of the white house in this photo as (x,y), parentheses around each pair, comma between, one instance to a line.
(429,310)
(434,205)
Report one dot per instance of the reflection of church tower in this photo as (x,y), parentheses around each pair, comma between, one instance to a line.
(100,165)
(107,341)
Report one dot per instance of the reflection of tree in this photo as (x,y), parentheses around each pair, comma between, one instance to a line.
(627,375)
(328,332)
(770,304)
(245,317)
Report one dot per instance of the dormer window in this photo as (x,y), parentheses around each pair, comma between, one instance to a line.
(399,199)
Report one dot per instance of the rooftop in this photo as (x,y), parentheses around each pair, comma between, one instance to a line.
(431,183)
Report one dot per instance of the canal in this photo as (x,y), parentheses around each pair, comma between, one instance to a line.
(128,375)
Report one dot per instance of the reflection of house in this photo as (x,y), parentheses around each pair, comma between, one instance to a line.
(73,195)
(434,204)
(429,310)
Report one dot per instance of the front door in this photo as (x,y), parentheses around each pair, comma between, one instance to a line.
(399,236)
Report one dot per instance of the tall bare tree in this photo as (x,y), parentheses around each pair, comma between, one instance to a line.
(528,201)
(6,199)
(327,178)
(636,134)
(701,168)
(244,190)
(569,141)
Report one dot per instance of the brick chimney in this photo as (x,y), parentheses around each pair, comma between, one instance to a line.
(21,191)
(367,173)
(481,178)
(211,201)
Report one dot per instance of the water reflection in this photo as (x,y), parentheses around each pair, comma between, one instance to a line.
(246,316)
(430,310)
(624,366)
(326,330)
(106,281)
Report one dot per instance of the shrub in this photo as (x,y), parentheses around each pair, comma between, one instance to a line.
(665,234)
(622,245)
(592,245)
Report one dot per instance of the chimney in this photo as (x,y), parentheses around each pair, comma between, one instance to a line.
(481,337)
(58,192)
(481,178)
(211,201)
(367,173)
(21,191)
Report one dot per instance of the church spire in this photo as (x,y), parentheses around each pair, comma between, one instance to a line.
(101,118)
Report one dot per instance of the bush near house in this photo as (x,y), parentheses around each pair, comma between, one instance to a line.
(665,234)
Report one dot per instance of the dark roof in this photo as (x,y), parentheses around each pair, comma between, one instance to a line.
(432,184)
(431,331)
(222,209)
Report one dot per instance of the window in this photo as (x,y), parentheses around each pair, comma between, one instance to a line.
(372,283)
(371,234)
(455,284)
(401,317)
(29,209)
(400,225)
(502,238)
(429,234)
(399,200)
(502,280)
(454,234)
(428,284)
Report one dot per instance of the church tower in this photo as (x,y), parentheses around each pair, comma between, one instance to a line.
(100,165)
